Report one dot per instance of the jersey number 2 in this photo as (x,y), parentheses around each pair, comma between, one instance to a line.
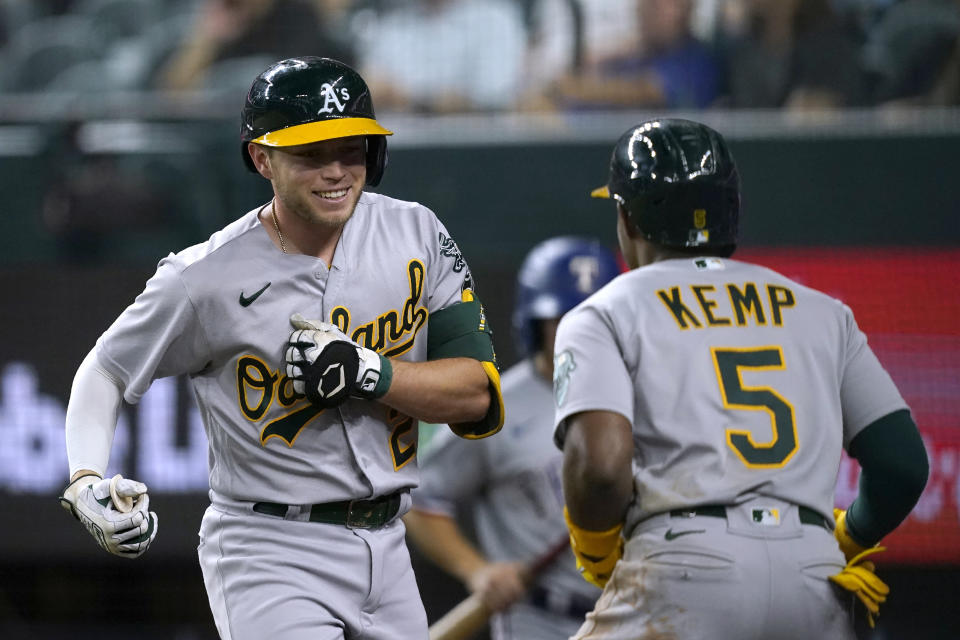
(736,396)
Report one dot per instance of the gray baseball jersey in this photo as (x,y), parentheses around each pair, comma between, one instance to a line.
(512,483)
(741,386)
(219,312)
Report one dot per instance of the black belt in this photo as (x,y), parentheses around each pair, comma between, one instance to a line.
(807,515)
(355,514)
(576,607)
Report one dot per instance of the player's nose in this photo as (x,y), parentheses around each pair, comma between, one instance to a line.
(334,170)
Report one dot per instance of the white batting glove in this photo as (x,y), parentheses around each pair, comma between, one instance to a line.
(127,534)
(328,367)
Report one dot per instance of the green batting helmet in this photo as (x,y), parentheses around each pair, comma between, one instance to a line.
(679,183)
(309,99)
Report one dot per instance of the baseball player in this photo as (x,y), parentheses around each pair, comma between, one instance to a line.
(702,405)
(316,330)
(511,483)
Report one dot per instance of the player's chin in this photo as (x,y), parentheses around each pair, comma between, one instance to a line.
(334,211)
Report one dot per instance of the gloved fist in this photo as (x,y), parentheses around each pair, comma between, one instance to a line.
(597,552)
(328,367)
(858,577)
(127,534)
(848,545)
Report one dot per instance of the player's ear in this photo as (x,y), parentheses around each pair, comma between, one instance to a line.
(260,156)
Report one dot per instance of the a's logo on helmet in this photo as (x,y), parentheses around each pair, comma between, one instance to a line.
(331,100)
(699,218)
(585,269)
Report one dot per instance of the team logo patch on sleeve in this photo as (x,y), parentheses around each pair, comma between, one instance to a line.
(449,249)
(563,366)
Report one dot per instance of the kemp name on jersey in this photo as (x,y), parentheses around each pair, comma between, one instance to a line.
(728,304)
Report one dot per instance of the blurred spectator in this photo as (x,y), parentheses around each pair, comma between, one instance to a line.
(912,54)
(235,29)
(789,53)
(93,200)
(555,34)
(946,91)
(336,14)
(669,67)
(610,29)
(116,189)
(440,56)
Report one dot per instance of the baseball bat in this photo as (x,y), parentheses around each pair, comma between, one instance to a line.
(467,618)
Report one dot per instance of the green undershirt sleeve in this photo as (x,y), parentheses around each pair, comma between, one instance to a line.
(894,470)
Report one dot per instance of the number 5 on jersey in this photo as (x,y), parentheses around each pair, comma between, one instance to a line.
(728,363)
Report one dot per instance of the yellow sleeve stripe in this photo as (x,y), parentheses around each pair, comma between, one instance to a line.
(495,414)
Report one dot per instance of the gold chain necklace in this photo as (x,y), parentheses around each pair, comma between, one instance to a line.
(276,225)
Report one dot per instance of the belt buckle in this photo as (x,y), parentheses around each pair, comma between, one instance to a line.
(360,520)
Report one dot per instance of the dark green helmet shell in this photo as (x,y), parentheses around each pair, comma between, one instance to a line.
(678,181)
(309,99)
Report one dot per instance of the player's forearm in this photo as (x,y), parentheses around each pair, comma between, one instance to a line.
(894,473)
(597,478)
(439,538)
(91,419)
(450,390)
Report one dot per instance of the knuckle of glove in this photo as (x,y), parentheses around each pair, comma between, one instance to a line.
(848,545)
(137,544)
(595,578)
(597,571)
(295,373)
(858,578)
(331,378)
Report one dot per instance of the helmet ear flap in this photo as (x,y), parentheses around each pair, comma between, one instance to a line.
(376,159)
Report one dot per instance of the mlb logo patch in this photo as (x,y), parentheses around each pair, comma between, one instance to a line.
(766,516)
(708,264)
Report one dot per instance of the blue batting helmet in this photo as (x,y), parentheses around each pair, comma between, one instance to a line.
(557,275)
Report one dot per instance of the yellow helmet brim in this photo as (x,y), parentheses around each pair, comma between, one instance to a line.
(322,130)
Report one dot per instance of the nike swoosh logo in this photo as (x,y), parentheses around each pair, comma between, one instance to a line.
(246,302)
(670,535)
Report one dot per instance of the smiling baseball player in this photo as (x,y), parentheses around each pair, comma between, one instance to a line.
(702,407)
(316,330)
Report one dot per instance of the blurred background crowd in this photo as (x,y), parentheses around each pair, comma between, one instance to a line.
(113,106)
(442,56)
